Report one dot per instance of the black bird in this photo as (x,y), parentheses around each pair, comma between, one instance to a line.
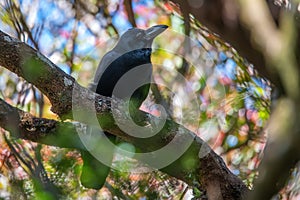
(132,50)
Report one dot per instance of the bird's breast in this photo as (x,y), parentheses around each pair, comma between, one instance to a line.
(134,66)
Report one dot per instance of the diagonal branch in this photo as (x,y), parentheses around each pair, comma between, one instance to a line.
(68,99)
(28,63)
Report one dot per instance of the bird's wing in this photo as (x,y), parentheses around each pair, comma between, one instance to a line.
(107,59)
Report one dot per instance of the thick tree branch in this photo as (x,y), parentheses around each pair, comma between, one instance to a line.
(46,131)
(70,100)
(212,170)
(28,63)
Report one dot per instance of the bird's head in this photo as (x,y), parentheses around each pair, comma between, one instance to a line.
(136,38)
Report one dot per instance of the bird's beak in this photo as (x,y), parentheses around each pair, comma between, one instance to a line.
(154,31)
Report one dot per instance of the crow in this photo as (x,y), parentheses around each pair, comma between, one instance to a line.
(131,51)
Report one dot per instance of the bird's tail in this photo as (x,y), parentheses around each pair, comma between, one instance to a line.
(94,172)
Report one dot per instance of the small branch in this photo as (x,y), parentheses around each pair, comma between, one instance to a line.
(130,13)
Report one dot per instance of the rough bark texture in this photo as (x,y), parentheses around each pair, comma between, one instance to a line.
(46,131)
(68,98)
(38,70)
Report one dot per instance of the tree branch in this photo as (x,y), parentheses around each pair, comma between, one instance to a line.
(45,131)
(70,100)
